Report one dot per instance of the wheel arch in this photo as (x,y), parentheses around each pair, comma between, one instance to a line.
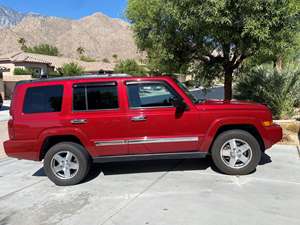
(250,128)
(248,124)
(54,136)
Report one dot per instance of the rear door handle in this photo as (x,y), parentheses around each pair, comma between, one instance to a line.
(138,118)
(79,121)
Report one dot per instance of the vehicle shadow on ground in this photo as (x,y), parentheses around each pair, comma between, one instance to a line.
(151,166)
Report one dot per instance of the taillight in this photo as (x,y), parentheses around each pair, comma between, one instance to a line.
(11,132)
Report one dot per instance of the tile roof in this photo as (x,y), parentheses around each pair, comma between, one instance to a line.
(55,61)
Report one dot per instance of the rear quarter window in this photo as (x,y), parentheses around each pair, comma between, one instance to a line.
(44,99)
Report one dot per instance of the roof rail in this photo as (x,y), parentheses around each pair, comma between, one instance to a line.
(74,78)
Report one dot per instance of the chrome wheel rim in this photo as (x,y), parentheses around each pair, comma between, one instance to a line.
(236,153)
(64,165)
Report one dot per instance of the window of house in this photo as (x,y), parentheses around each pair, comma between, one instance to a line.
(150,95)
(43,99)
(98,96)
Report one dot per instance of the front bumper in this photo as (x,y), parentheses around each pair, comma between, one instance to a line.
(21,149)
(273,135)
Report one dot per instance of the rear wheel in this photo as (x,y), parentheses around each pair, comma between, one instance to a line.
(236,152)
(66,163)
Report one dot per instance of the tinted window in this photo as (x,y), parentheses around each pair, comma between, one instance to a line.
(43,99)
(150,95)
(95,96)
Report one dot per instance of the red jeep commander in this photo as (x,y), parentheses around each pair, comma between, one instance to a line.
(71,122)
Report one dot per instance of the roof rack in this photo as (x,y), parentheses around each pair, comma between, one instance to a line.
(74,78)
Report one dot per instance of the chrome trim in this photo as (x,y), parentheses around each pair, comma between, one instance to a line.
(162,140)
(109,143)
(146,140)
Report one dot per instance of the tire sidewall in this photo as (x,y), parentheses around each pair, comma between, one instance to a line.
(83,160)
(236,134)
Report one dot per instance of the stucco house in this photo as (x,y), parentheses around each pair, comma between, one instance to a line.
(40,65)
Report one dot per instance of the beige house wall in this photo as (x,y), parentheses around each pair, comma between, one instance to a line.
(9,66)
(2,89)
(43,67)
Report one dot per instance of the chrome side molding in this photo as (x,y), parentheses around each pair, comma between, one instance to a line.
(147,141)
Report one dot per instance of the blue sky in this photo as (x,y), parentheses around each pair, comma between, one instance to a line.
(73,9)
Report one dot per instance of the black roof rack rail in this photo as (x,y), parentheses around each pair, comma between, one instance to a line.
(73,78)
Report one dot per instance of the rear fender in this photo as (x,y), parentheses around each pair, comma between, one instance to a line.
(65,132)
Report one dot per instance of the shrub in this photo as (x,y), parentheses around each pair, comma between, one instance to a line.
(278,90)
(71,69)
(87,59)
(54,74)
(43,49)
(131,67)
(22,71)
(105,60)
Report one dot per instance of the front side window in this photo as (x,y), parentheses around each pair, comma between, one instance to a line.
(150,95)
(95,96)
(43,99)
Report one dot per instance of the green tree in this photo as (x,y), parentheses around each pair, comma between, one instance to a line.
(131,67)
(217,35)
(71,69)
(44,49)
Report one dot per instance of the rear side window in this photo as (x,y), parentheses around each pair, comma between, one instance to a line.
(99,96)
(43,99)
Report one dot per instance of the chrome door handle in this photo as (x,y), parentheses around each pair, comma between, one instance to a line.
(138,118)
(79,121)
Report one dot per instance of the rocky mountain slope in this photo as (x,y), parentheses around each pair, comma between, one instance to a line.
(9,17)
(99,35)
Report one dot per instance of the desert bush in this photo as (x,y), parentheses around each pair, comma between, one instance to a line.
(71,69)
(43,49)
(22,71)
(87,58)
(131,67)
(278,90)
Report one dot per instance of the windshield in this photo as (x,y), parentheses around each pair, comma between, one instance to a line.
(186,91)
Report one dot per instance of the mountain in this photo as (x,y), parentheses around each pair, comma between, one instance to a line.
(99,35)
(9,17)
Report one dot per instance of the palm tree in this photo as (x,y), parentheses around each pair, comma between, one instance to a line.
(22,42)
(80,50)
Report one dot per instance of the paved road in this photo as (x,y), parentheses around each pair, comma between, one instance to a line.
(159,192)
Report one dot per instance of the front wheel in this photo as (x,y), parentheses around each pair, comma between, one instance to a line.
(236,152)
(66,163)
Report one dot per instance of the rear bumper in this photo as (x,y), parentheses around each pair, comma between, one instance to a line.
(273,135)
(21,149)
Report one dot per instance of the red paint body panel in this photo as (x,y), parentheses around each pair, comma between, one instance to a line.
(28,132)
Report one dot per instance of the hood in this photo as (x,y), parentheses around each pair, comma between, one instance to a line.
(230,105)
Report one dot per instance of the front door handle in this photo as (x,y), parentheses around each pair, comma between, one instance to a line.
(79,121)
(138,118)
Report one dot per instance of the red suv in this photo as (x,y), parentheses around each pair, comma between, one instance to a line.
(71,122)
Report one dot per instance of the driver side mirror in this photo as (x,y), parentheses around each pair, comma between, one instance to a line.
(179,104)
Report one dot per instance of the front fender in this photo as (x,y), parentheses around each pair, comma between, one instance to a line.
(227,121)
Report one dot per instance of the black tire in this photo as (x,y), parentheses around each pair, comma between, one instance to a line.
(224,137)
(82,157)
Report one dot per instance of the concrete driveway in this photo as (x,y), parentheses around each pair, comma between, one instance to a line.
(155,192)
(4,111)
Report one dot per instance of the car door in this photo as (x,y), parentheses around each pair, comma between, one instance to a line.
(98,112)
(154,123)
